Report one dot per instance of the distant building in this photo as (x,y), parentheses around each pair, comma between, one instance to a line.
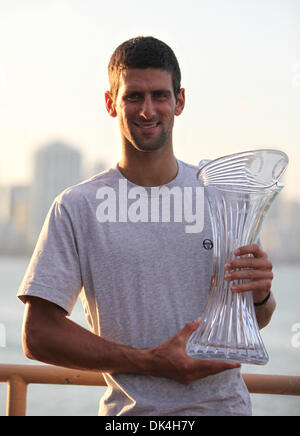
(56,167)
(99,166)
(19,208)
(95,168)
(12,242)
(291,232)
(281,232)
(13,233)
(5,203)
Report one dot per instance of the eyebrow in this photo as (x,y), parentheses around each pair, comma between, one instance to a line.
(154,91)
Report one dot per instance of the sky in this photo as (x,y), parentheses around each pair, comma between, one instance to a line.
(240,64)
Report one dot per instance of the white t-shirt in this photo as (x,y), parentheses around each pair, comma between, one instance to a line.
(143,271)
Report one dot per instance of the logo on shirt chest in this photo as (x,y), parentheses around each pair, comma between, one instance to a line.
(208,244)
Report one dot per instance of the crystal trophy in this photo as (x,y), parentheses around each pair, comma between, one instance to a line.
(240,189)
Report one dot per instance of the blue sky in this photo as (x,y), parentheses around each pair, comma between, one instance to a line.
(240,62)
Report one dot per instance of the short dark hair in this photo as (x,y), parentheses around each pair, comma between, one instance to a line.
(143,52)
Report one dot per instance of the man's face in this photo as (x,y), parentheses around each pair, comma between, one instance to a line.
(146,106)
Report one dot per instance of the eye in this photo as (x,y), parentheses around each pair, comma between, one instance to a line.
(161,95)
(132,97)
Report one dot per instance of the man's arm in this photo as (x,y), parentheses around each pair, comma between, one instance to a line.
(49,336)
(265,312)
(257,270)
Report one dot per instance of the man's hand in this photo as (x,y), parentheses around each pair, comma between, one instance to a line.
(256,269)
(171,360)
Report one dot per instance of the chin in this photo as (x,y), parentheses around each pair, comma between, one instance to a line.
(148,148)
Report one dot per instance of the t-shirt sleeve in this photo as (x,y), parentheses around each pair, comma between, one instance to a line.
(54,270)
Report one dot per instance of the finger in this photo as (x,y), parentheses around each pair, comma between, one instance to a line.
(249,262)
(199,369)
(254,249)
(223,366)
(209,367)
(188,329)
(215,365)
(253,285)
(249,274)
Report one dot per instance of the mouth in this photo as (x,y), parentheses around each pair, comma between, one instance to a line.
(146,126)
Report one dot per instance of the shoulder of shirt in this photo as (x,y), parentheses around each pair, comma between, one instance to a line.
(194,168)
(84,188)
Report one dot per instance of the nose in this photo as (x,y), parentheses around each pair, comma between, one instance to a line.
(147,109)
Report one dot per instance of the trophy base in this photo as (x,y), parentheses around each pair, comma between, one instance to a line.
(227,354)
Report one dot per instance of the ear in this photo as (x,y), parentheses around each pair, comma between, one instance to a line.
(180,102)
(110,105)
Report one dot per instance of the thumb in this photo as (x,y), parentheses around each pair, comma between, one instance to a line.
(189,328)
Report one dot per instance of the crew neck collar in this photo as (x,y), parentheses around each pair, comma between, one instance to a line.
(172,183)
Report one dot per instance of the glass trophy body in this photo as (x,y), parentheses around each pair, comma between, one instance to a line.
(240,189)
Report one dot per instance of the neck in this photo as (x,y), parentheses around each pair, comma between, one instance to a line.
(149,168)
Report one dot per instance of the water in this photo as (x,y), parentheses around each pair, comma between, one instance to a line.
(43,400)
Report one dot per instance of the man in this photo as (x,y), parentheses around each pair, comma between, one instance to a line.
(142,277)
